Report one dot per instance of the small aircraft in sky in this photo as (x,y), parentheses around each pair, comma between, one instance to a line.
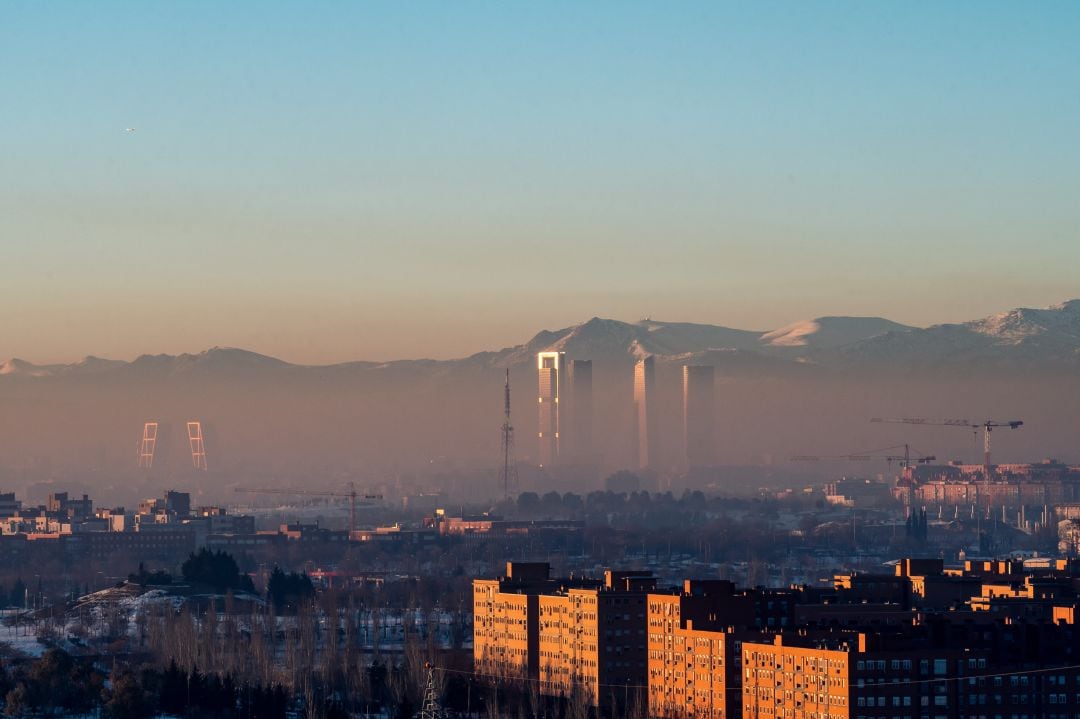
(129,129)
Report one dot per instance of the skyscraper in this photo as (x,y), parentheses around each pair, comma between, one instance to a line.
(581,411)
(697,387)
(551,367)
(646,426)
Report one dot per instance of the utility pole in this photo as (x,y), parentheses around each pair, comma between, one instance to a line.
(431,708)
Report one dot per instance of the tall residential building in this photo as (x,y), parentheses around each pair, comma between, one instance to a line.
(646,424)
(592,641)
(581,411)
(695,639)
(698,437)
(551,367)
(505,621)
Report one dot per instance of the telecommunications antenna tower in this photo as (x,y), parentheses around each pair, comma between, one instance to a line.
(508,475)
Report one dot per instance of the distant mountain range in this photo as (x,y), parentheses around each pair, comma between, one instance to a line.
(1031,338)
(809,387)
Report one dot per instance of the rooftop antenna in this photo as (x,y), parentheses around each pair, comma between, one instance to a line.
(508,475)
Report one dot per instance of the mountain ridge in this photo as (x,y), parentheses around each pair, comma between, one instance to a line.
(1017,336)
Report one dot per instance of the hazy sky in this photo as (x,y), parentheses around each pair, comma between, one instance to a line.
(328,181)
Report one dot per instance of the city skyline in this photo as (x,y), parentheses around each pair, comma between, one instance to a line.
(412,181)
(795,285)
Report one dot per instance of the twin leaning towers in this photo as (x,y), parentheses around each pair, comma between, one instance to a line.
(566,413)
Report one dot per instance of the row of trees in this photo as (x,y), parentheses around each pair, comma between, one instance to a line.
(217,570)
(326,651)
(58,684)
(54,684)
(148,692)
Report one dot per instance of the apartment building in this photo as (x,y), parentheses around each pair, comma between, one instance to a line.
(592,640)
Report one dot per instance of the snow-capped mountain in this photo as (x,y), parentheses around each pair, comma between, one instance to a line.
(18,367)
(612,340)
(1020,337)
(812,383)
(830,332)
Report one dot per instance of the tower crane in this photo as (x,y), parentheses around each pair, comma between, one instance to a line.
(355,498)
(905,459)
(987,426)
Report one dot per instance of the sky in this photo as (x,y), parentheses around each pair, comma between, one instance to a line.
(364,180)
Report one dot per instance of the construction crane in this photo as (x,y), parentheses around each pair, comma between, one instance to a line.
(355,498)
(905,459)
(987,427)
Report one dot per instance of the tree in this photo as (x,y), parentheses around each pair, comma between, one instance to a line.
(17,598)
(147,578)
(287,591)
(128,699)
(528,501)
(217,569)
(56,681)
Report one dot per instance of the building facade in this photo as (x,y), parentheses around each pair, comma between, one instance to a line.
(698,400)
(551,369)
(581,412)
(646,423)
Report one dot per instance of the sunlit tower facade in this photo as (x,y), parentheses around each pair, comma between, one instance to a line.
(646,424)
(698,384)
(197,445)
(581,411)
(147,445)
(551,367)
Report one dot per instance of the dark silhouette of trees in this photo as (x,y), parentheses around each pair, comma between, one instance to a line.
(216,569)
(289,591)
(129,697)
(55,683)
(916,527)
(145,578)
(17,597)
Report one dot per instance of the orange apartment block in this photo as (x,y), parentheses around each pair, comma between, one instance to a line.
(592,641)
(795,682)
(694,650)
(861,675)
(505,621)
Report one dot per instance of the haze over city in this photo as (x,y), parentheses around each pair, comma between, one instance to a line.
(607,360)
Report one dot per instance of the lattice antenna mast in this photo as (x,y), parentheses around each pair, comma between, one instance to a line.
(431,708)
(509,474)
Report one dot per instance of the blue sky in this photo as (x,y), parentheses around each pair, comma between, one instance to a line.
(378,180)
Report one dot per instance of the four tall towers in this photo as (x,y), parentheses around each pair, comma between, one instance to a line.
(566,413)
